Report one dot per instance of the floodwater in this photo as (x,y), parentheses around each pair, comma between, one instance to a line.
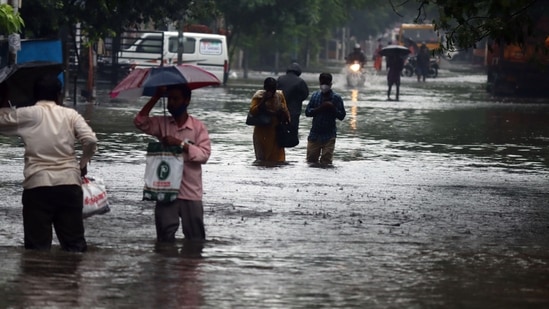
(439,200)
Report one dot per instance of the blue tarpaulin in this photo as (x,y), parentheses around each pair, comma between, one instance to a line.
(41,50)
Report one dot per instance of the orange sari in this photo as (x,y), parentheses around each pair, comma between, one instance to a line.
(264,138)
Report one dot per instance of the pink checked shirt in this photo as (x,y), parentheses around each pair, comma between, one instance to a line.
(199,149)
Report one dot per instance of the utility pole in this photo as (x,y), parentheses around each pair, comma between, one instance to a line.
(179,46)
(180,41)
(14,39)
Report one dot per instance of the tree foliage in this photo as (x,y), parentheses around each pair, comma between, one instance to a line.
(464,23)
(104,18)
(297,27)
(10,22)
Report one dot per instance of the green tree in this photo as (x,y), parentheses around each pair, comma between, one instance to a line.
(380,16)
(286,29)
(99,19)
(293,29)
(10,22)
(465,23)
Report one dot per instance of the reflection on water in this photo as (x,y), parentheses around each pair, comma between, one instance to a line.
(43,275)
(176,277)
(438,200)
(354,109)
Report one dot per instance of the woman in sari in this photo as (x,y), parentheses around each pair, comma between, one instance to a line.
(270,101)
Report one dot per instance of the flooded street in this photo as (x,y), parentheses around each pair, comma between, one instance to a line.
(439,200)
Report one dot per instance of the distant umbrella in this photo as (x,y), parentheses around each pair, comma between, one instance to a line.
(397,50)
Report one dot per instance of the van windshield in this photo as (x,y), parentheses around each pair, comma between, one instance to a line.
(188,45)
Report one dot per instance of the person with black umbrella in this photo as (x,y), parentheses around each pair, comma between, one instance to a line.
(395,64)
(52,193)
(395,55)
(20,79)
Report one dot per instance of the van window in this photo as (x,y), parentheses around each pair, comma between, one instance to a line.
(188,45)
(172,44)
(211,47)
(151,45)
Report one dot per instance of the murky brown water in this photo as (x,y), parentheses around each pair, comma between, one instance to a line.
(437,201)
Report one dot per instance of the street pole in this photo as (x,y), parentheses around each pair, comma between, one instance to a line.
(179,47)
(14,39)
(180,42)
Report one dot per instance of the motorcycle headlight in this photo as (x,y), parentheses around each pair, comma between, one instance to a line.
(355,67)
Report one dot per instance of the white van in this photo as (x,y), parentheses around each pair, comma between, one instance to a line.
(208,51)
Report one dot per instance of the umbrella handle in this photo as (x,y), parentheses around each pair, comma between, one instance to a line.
(163,100)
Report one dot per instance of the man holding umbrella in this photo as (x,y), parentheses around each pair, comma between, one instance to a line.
(395,64)
(395,55)
(179,129)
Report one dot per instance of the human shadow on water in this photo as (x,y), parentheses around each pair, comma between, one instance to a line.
(270,163)
(189,249)
(177,275)
(46,273)
(320,165)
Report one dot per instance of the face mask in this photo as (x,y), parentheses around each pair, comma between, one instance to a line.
(325,88)
(178,111)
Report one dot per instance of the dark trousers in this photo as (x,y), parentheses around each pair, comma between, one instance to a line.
(60,206)
(167,216)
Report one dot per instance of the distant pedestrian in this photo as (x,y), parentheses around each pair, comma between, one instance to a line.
(422,62)
(271,102)
(52,192)
(411,45)
(395,64)
(378,58)
(325,106)
(295,91)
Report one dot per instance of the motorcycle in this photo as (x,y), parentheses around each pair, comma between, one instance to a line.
(411,64)
(355,75)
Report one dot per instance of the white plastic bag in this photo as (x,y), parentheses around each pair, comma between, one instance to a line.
(95,197)
(163,172)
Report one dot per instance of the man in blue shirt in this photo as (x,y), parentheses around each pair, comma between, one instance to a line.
(325,106)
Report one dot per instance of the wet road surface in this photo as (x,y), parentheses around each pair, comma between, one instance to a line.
(439,200)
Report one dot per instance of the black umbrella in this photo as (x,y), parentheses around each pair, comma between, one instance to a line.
(19,79)
(397,50)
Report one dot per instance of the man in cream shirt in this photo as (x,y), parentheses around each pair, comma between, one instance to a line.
(52,192)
